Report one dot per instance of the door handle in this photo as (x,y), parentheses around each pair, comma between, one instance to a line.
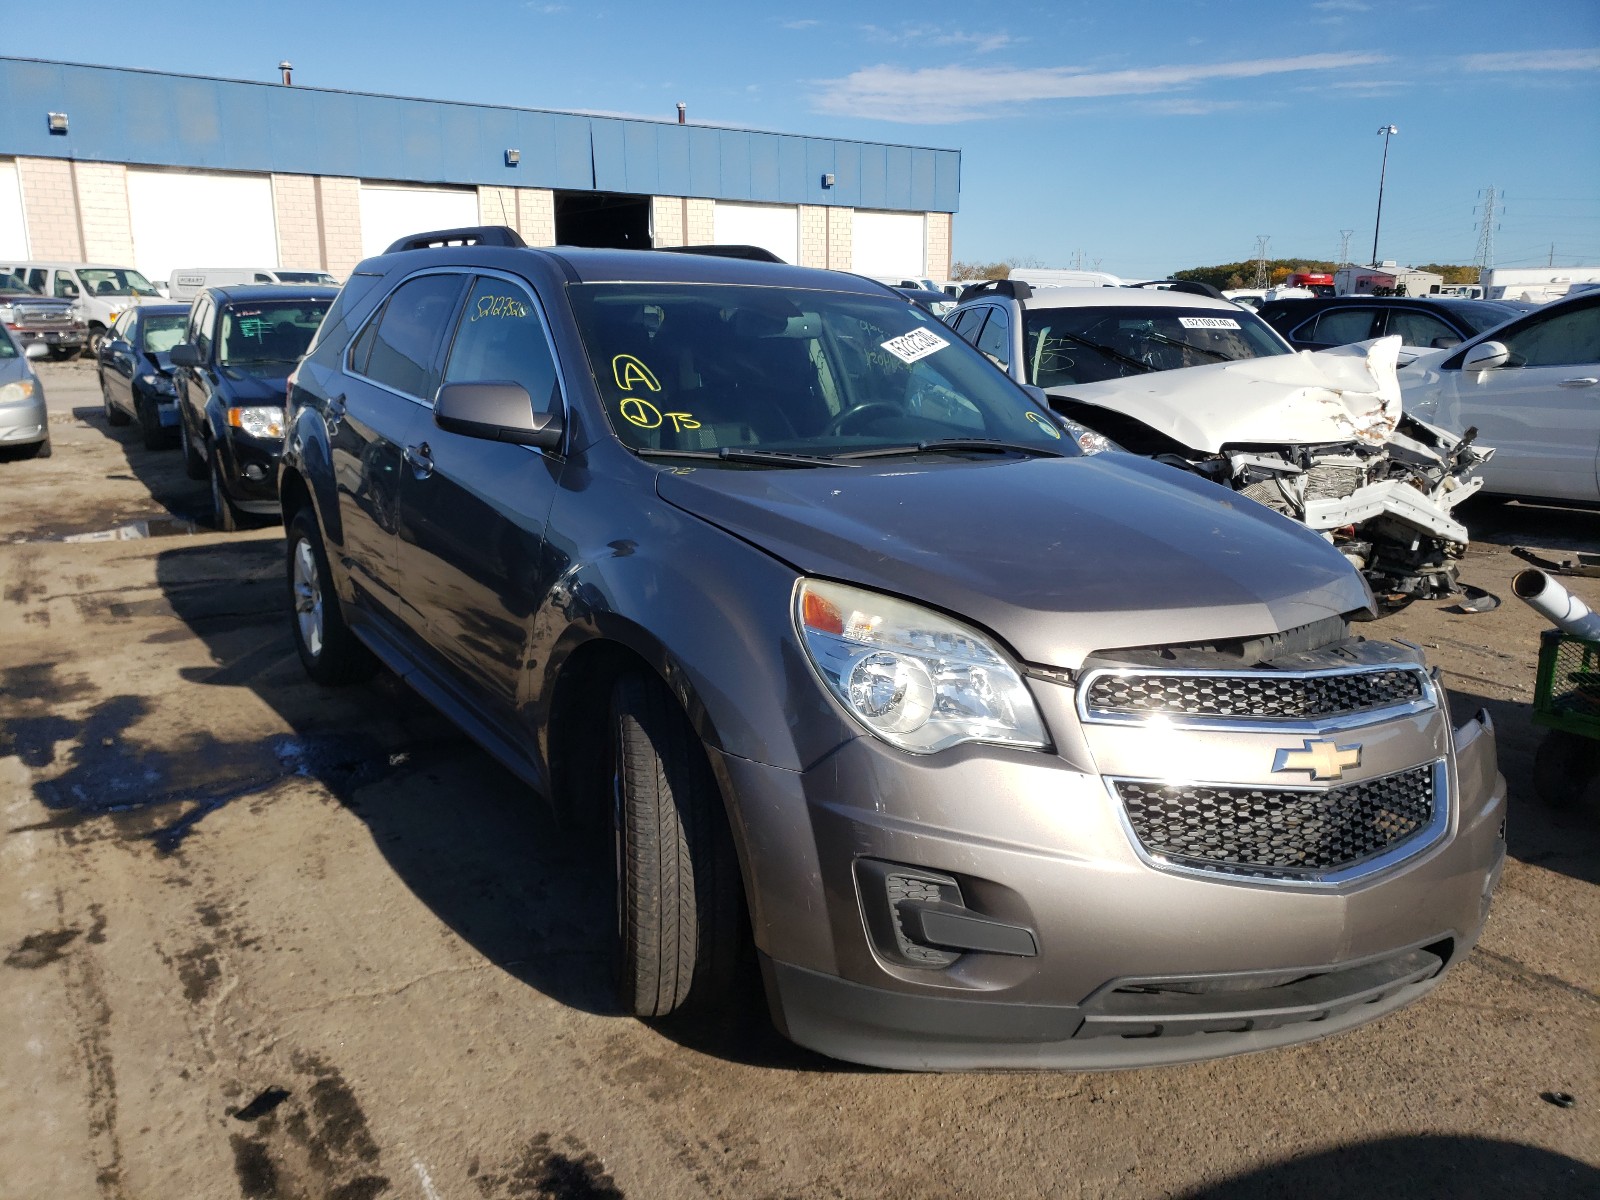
(1585,381)
(421,460)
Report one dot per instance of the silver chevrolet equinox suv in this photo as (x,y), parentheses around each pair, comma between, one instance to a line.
(990,753)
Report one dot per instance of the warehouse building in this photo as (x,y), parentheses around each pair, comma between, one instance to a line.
(156,170)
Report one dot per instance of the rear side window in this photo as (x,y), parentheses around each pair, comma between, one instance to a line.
(995,341)
(1420,328)
(1338,327)
(501,338)
(200,326)
(406,335)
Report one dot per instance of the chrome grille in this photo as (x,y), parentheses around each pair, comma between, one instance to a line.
(1257,696)
(1278,833)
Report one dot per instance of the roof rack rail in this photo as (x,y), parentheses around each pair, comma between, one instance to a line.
(1017,289)
(1193,286)
(753,253)
(471,235)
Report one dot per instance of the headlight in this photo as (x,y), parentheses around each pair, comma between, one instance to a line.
(916,678)
(258,422)
(157,382)
(16,393)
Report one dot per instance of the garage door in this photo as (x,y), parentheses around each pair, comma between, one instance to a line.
(770,226)
(885,244)
(389,212)
(13,230)
(200,219)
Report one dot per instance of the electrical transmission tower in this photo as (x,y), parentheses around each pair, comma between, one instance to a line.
(1344,246)
(1484,258)
(1262,277)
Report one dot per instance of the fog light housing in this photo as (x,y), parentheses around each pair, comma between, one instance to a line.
(255,472)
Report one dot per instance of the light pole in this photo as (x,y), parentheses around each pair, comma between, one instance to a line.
(1388,131)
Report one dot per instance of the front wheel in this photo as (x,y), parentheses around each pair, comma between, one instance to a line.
(330,653)
(223,513)
(680,906)
(155,437)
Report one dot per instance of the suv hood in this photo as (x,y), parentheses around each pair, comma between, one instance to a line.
(1059,557)
(1346,394)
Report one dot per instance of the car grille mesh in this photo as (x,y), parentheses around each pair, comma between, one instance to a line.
(1278,832)
(1258,696)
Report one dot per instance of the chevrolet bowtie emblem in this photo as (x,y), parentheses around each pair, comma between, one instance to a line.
(1321,757)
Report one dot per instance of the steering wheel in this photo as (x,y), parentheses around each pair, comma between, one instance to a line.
(849,416)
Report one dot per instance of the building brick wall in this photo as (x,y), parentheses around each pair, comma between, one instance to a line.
(294,207)
(841,229)
(50,207)
(103,211)
(937,255)
(666,220)
(536,216)
(701,222)
(339,222)
(813,235)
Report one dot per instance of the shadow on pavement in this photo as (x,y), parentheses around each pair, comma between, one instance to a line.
(1405,1168)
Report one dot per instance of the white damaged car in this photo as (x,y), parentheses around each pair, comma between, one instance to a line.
(1319,436)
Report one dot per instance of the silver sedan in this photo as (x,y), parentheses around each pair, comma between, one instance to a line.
(24,423)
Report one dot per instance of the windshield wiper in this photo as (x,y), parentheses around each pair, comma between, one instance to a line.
(738,454)
(1119,356)
(953,445)
(1182,345)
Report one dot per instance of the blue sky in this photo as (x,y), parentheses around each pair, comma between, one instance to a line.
(1146,136)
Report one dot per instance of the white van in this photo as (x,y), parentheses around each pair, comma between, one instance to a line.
(102,292)
(185,283)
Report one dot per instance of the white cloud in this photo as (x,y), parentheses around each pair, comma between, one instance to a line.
(804,23)
(1535,60)
(1183,107)
(1343,6)
(935,95)
(547,10)
(934,35)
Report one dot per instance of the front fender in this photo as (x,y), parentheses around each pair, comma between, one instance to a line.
(711,615)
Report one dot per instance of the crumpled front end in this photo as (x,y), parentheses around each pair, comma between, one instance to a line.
(1322,438)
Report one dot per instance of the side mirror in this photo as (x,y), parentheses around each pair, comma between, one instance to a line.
(495,412)
(185,354)
(37,350)
(1485,356)
(1037,394)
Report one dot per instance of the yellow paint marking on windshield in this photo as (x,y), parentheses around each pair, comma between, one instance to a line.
(640,412)
(1044,423)
(499,306)
(628,370)
(682,421)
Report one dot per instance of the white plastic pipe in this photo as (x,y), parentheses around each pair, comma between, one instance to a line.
(1549,599)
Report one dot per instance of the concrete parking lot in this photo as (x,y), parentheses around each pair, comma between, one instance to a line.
(265,940)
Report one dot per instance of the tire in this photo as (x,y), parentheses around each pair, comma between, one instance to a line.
(39,450)
(61,353)
(114,415)
(330,653)
(91,347)
(223,514)
(193,465)
(155,437)
(1564,766)
(680,907)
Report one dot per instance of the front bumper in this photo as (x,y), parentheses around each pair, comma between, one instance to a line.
(25,422)
(52,337)
(250,471)
(1135,965)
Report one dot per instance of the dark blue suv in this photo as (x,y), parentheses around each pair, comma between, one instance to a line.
(231,372)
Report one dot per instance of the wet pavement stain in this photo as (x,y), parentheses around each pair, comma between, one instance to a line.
(41,949)
(544,1172)
(258,1178)
(162,794)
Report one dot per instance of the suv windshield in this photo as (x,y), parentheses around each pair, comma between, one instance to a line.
(268,332)
(1086,345)
(114,281)
(713,367)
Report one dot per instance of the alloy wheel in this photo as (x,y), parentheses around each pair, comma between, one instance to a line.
(307,598)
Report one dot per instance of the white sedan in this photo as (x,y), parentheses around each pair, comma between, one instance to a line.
(1532,389)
